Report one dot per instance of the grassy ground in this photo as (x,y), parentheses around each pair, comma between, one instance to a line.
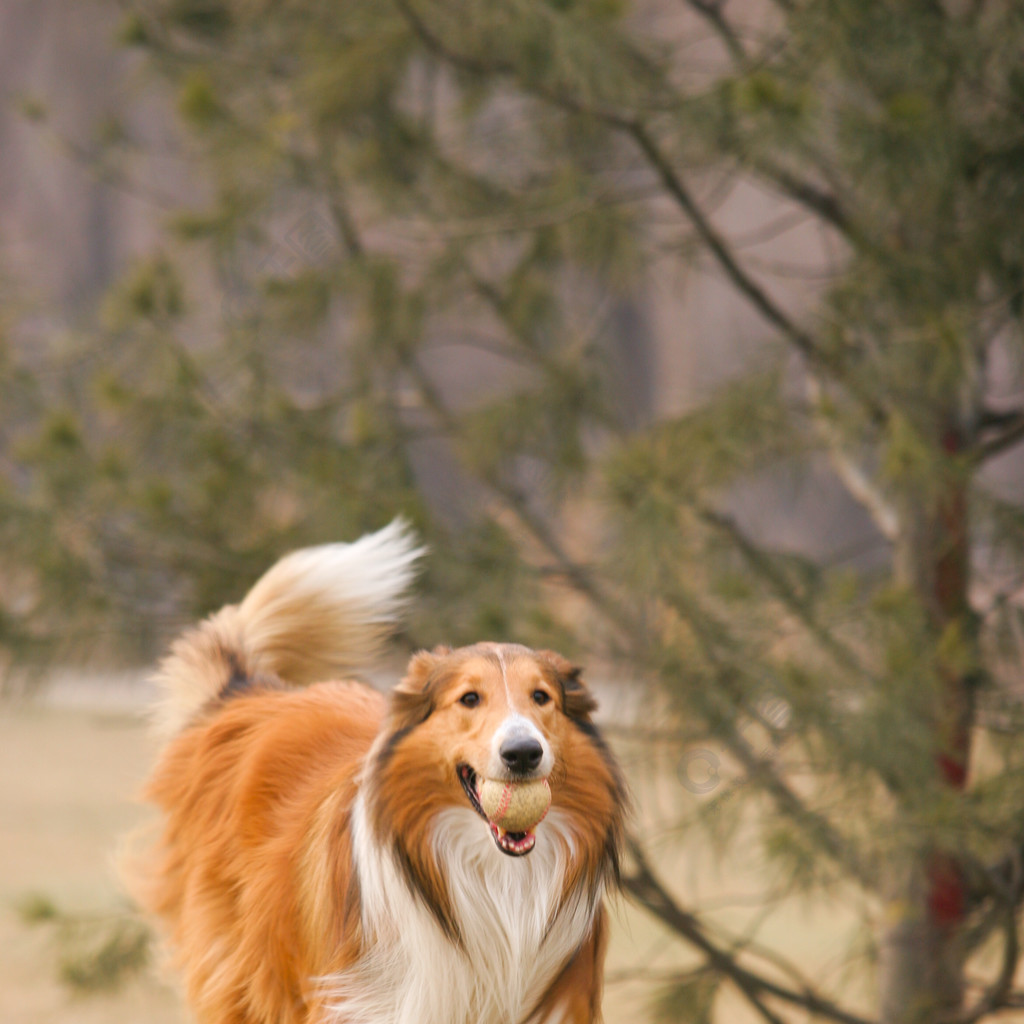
(67,779)
(66,784)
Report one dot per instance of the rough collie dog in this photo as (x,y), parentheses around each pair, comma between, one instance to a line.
(324,855)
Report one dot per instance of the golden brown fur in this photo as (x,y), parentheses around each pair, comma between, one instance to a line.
(281,808)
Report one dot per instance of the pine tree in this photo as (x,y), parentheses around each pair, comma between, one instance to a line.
(387,176)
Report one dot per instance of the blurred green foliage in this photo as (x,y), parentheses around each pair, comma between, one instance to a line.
(94,953)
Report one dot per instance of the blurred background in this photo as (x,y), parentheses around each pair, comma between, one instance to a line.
(686,332)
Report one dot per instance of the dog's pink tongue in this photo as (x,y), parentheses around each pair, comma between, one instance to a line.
(514,842)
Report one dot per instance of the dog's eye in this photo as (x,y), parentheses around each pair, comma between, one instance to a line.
(470,700)
(541,697)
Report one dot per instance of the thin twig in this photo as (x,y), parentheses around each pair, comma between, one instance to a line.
(676,188)
(644,885)
(759,562)
(578,576)
(852,475)
(712,11)
(750,289)
(1009,437)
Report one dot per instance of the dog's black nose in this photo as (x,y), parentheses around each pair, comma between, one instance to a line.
(521,754)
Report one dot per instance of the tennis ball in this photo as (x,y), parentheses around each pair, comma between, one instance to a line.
(515,807)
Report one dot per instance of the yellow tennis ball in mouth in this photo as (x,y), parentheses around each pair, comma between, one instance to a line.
(514,806)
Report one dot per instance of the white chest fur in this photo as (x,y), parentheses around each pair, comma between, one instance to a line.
(515,938)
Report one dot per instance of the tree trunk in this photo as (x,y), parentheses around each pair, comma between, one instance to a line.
(921,954)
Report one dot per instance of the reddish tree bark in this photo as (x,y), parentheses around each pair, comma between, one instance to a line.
(921,969)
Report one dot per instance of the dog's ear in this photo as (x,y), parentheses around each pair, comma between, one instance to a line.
(412,699)
(577,700)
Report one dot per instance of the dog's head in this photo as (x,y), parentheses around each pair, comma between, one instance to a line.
(497,712)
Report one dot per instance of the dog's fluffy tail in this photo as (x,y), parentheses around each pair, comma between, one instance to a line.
(317,613)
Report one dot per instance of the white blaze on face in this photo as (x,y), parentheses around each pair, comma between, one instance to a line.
(500,655)
(515,726)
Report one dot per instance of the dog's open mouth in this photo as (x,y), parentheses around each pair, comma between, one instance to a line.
(515,844)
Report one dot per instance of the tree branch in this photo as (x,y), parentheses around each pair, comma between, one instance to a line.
(1009,435)
(645,887)
(621,618)
(629,124)
(761,564)
(712,11)
(815,825)
(997,996)
(1001,883)
(750,289)
(853,477)
(493,66)
(824,204)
